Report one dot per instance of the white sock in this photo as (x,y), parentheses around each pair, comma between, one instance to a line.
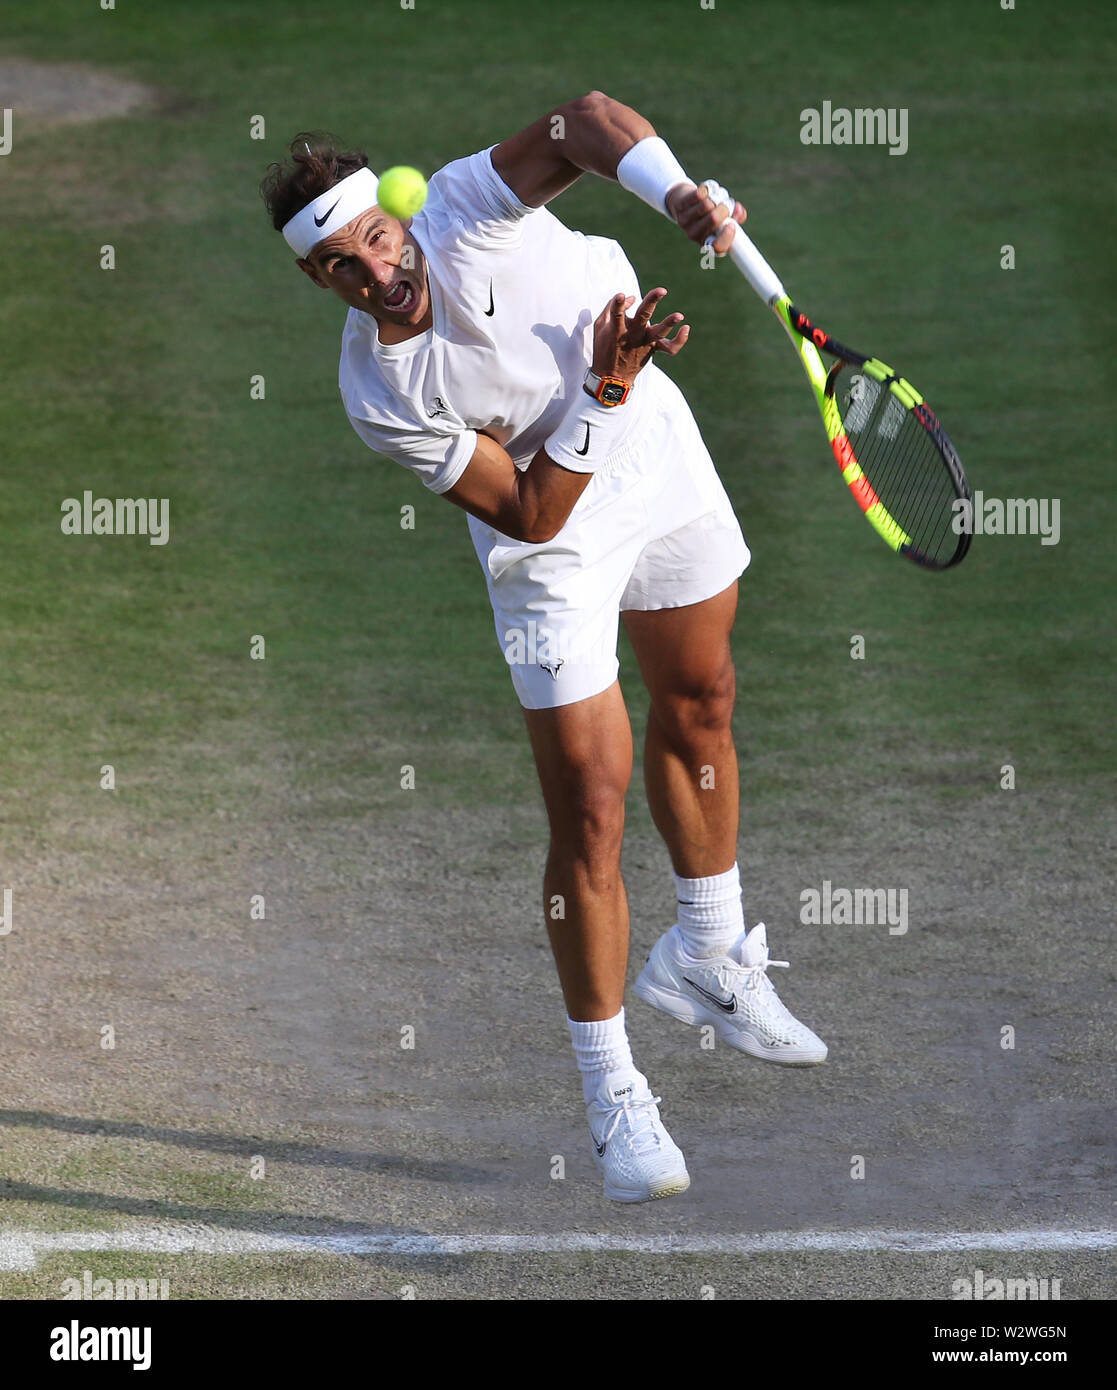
(600,1047)
(710,914)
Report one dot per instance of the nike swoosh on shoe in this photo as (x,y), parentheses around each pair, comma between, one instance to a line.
(728,1006)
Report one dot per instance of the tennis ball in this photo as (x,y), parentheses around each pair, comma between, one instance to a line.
(402,191)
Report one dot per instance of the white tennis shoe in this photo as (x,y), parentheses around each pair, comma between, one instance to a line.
(632,1149)
(732,994)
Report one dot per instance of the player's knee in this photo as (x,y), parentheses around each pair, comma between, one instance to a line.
(701,708)
(590,824)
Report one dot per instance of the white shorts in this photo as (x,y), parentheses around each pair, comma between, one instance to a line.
(654,529)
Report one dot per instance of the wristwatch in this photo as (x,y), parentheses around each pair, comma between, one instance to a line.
(609,390)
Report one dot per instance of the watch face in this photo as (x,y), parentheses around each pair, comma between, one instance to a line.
(612,393)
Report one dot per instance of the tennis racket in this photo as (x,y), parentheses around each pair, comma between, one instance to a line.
(894,455)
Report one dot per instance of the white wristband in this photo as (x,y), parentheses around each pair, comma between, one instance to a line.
(587,434)
(650,171)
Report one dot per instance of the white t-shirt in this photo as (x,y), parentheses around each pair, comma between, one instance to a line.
(514,296)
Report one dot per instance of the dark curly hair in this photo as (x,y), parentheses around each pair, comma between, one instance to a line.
(317,163)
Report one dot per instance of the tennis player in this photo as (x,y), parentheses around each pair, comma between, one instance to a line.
(508,362)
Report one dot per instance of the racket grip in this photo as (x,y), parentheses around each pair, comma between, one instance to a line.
(754,267)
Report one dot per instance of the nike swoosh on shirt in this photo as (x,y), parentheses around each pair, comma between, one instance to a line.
(586,447)
(491,309)
(321,221)
(728,1006)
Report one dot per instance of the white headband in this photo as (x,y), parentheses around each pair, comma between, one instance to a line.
(331,210)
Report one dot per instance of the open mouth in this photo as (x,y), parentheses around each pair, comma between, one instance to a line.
(399,298)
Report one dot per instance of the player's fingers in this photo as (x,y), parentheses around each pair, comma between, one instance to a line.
(614,310)
(644,313)
(679,199)
(701,217)
(723,228)
(685,199)
(673,345)
(724,238)
(696,216)
(660,330)
(709,224)
(726,209)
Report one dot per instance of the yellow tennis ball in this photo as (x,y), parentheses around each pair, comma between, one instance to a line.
(402,191)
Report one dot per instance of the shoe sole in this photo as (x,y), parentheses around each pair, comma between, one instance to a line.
(692,1013)
(669,1187)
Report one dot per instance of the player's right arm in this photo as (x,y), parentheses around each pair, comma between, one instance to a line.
(593,134)
(534,504)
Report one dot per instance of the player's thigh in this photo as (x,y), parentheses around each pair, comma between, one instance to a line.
(685,655)
(556,606)
(583,754)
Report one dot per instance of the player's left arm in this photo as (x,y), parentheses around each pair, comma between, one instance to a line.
(592,134)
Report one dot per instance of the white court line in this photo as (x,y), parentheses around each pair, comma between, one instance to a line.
(20,1250)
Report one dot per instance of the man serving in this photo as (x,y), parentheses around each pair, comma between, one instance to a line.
(507,361)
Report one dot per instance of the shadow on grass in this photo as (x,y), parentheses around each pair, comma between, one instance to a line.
(261,1222)
(422,1169)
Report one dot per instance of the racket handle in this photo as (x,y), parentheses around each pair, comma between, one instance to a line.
(754,267)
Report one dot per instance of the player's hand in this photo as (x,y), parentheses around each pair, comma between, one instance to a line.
(698,215)
(622,345)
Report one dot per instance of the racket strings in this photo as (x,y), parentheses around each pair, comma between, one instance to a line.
(905,468)
(906,474)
